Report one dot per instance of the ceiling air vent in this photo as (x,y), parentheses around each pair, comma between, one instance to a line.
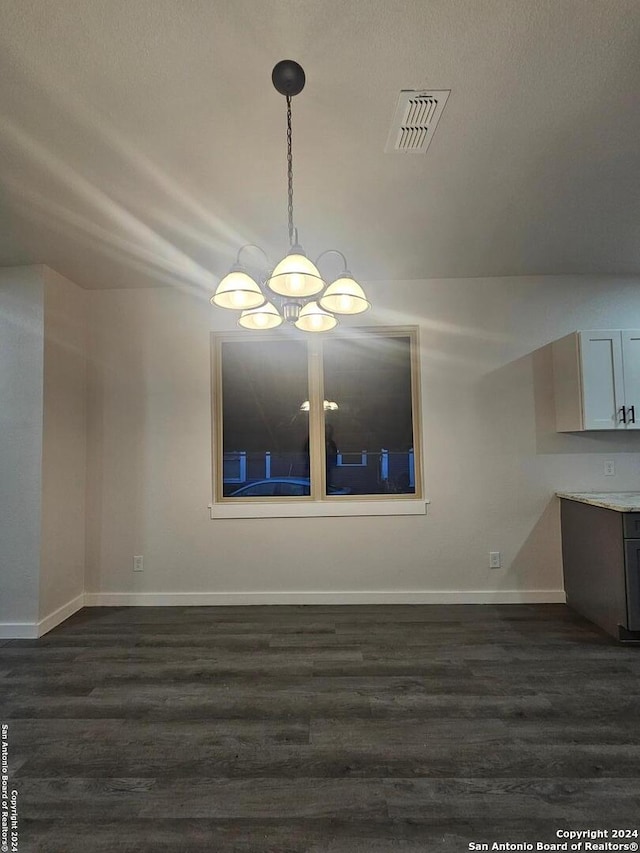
(415,120)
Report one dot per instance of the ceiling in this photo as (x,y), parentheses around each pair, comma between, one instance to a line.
(142,141)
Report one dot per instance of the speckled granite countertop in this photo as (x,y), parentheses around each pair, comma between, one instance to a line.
(619,501)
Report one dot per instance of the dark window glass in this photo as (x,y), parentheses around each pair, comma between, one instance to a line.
(368,415)
(264,432)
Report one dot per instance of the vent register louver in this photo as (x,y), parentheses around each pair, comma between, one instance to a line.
(416,118)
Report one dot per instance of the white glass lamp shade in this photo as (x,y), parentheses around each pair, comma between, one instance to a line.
(313,319)
(238,291)
(296,276)
(264,317)
(345,296)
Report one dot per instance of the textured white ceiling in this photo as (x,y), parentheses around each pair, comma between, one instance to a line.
(142,141)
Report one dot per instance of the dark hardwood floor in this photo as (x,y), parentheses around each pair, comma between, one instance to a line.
(319,729)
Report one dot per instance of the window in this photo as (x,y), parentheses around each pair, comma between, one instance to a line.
(307,420)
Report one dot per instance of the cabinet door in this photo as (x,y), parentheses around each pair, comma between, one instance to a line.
(632,568)
(631,367)
(602,379)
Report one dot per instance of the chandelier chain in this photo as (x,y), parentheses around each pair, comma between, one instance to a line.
(290,171)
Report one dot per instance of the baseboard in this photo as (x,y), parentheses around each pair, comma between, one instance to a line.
(19,631)
(62,613)
(33,630)
(205,599)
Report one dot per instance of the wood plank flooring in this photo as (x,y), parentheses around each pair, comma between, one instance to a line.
(365,729)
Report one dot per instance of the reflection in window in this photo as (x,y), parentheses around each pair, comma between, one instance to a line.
(369,438)
(264,435)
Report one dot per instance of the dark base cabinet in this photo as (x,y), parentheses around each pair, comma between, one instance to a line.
(601,563)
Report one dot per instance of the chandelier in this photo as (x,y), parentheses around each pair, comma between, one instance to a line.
(294,290)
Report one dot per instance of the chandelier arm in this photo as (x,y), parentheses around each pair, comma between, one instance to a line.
(251,246)
(290,174)
(334,252)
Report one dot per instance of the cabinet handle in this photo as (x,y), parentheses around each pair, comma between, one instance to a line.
(632,411)
(623,420)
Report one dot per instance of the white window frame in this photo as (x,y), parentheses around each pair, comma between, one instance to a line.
(317,503)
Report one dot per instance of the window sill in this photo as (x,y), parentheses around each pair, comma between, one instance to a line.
(311,509)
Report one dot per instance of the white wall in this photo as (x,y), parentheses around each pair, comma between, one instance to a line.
(21,384)
(64,444)
(42,449)
(492,457)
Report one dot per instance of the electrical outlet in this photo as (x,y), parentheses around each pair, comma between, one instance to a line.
(138,564)
(609,468)
(495,561)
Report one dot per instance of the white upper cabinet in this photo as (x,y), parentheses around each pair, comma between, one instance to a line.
(602,379)
(631,364)
(597,380)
